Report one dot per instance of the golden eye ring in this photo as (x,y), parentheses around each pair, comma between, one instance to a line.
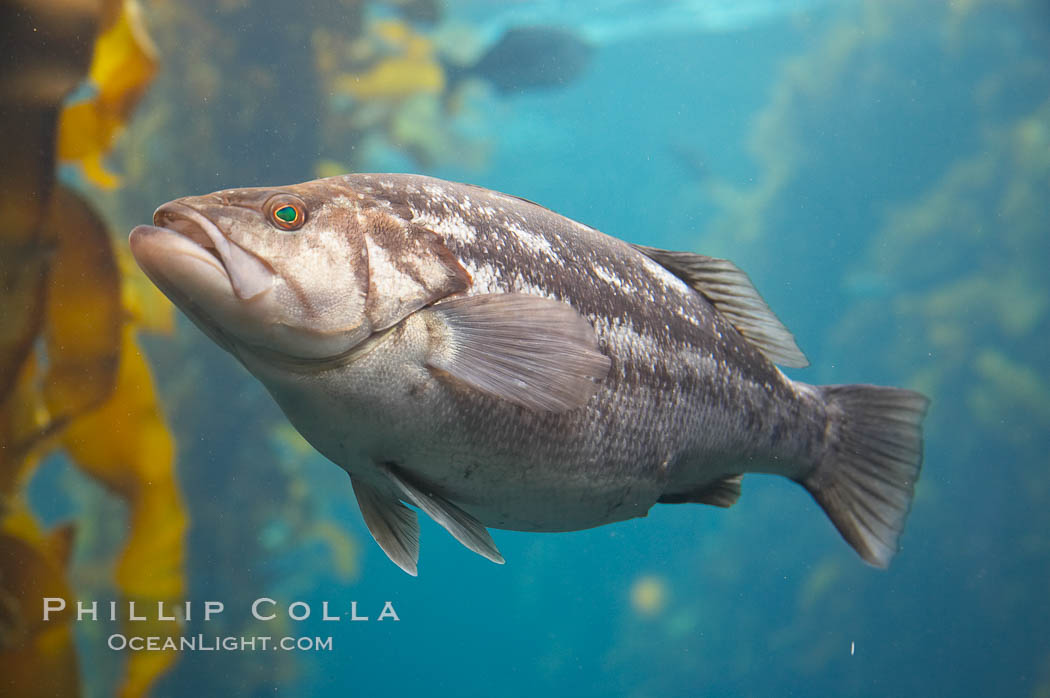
(286,212)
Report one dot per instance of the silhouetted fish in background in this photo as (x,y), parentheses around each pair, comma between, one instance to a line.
(604,23)
(495,364)
(527,58)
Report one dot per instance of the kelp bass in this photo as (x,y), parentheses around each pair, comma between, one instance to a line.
(494,364)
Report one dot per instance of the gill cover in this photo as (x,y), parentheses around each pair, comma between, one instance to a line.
(305,271)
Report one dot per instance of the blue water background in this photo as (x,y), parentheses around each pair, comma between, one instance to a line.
(557,620)
(765,598)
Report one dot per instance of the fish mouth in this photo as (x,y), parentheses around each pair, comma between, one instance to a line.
(248,275)
(227,291)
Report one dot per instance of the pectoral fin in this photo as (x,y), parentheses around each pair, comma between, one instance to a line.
(536,352)
(463,527)
(392,524)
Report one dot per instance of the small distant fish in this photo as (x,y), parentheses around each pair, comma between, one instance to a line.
(494,364)
(528,58)
(605,23)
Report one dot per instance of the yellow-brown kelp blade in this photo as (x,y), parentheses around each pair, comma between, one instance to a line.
(399,63)
(37,658)
(125,444)
(71,372)
(34,77)
(84,313)
(123,64)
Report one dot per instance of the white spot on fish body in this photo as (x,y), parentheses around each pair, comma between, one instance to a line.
(661,275)
(688,316)
(627,340)
(617,282)
(436,191)
(449,226)
(491,279)
(387,276)
(534,242)
(606,275)
(487,278)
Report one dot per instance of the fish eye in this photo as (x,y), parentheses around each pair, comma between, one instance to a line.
(286,212)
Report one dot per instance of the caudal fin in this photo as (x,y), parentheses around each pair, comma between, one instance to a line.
(866,480)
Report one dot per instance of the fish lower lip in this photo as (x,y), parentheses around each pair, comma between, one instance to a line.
(189,229)
(249,276)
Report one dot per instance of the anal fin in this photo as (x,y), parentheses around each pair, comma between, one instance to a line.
(720,493)
(463,527)
(392,524)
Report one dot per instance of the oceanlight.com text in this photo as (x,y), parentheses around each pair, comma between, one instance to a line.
(217,643)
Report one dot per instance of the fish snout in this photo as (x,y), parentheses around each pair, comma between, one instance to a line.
(249,275)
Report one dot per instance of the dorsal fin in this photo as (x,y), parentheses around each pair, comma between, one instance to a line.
(732,293)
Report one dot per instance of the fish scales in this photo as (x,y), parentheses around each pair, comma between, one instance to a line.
(655,350)
(494,364)
(655,397)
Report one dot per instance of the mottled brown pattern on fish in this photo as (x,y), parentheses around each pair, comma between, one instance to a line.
(321,207)
(671,351)
(409,267)
(536,374)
